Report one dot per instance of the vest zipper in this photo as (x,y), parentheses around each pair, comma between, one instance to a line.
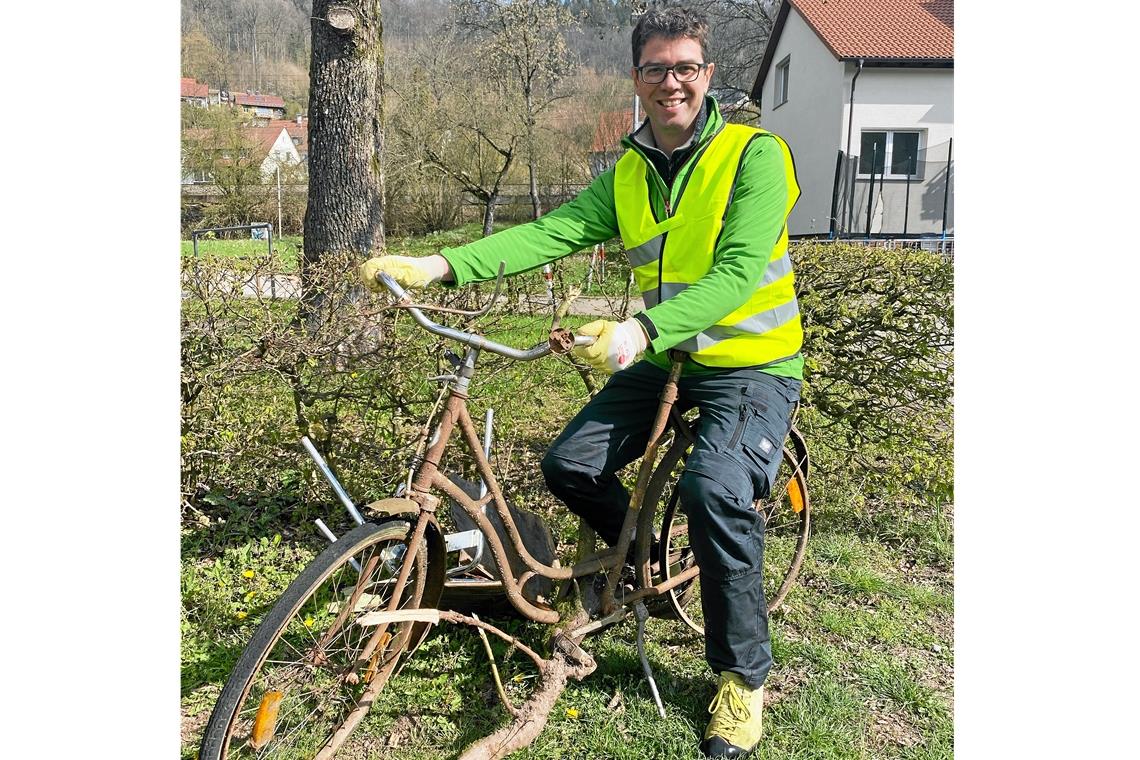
(696,156)
(693,159)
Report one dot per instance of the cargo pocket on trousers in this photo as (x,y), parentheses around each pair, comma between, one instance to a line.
(761,451)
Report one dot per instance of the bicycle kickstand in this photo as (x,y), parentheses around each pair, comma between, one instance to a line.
(642,615)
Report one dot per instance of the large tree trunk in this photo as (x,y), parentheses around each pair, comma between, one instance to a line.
(345,215)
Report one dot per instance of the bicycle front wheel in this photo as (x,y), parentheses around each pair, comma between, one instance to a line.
(297,688)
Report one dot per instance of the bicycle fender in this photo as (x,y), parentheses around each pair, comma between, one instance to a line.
(406,509)
(394,507)
(799,445)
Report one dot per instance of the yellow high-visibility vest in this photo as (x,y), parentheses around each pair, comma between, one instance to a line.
(669,255)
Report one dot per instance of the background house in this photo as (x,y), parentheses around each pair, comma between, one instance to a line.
(606,148)
(276,145)
(195,92)
(882,166)
(260,107)
(263,147)
(298,130)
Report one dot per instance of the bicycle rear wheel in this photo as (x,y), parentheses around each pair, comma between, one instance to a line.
(296,689)
(787,523)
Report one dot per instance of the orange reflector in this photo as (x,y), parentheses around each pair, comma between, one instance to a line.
(265,724)
(796,495)
(375,659)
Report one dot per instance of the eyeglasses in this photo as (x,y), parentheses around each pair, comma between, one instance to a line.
(654,73)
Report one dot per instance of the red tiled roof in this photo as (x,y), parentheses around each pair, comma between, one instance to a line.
(895,29)
(264,101)
(611,127)
(265,137)
(192,88)
(295,131)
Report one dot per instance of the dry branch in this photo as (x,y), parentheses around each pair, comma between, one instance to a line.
(569,661)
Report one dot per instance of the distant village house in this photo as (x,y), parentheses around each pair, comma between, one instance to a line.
(261,107)
(195,93)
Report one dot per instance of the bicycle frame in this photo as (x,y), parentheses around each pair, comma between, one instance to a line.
(427,478)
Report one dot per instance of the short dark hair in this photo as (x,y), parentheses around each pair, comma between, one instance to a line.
(671,23)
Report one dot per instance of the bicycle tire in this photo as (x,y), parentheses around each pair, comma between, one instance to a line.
(231,713)
(786,531)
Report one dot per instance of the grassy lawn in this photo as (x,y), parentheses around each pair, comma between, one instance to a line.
(863,650)
(286,250)
(863,646)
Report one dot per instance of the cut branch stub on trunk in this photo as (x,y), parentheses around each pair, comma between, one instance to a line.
(341,18)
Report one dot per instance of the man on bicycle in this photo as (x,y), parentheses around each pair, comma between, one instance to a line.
(701,207)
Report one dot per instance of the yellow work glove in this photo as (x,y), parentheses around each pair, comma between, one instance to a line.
(618,344)
(409,271)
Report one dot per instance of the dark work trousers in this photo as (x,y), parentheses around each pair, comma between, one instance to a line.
(744,418)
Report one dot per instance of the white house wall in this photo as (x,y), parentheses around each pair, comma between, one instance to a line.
(903,99)
(810,121)
(283,152)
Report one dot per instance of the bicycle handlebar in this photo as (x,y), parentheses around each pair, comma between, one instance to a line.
(554,344)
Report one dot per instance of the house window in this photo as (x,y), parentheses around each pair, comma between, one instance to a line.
(895,151)
(782,81)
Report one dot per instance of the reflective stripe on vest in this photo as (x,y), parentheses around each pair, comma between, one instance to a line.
(668,256)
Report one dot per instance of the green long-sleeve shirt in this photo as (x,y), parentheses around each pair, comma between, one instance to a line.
(752,227)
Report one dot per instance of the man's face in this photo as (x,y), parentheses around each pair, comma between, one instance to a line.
(672,106)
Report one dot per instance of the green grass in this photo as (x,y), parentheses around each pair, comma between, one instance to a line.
(286,250)
(863,647)
(863,667)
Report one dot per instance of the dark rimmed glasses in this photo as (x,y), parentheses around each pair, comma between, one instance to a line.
(654,73)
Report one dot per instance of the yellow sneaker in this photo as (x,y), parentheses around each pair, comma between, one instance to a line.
(735,727)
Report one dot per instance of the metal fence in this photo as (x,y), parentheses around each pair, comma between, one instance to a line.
(938,244)
(514,204)
(909,197)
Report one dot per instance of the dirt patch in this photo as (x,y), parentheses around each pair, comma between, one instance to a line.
(891,728)
(193,726)
(783,682)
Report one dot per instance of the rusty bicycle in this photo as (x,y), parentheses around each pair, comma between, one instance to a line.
(345,627)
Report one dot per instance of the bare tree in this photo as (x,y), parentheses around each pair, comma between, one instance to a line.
(451,119)
(251,13)
(522,44)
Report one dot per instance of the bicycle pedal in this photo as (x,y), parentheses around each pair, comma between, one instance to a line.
(574,653)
